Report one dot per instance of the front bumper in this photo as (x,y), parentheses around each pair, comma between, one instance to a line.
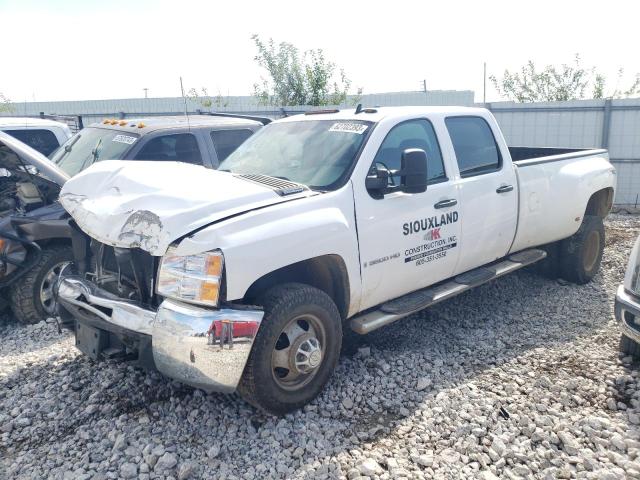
(627,308)
(183,341)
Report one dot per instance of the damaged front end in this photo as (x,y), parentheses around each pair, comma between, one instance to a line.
(110,298)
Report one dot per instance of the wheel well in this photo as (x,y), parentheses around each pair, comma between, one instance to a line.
(327,273)
(600,203)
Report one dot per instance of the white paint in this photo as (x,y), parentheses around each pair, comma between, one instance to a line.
(61,131)
(151,204)
(34,158)
(554,195)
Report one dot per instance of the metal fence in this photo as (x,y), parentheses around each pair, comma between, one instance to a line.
(611,124)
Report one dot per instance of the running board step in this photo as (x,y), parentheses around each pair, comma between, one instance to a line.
(413,302)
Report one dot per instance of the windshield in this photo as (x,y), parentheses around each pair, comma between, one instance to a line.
(92,145)
(316,153)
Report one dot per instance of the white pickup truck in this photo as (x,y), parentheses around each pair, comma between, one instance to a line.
(243,278)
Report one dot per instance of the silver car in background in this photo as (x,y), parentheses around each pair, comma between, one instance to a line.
(628,305)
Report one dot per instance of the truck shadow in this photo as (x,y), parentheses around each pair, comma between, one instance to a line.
(369,396)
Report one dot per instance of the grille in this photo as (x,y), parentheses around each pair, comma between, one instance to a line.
(278,185)
(128,273)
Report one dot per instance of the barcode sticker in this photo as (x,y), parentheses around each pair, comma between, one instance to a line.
(348,127)
(124,139)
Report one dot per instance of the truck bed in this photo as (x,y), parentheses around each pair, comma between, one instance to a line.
(524,156)
(554,186)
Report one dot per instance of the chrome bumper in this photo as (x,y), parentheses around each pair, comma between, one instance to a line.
(184,343)
(628,313)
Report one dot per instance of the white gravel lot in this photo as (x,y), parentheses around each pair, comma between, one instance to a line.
(520,378)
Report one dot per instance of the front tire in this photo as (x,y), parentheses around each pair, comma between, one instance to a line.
(31,296)
(581,254)
(295,351)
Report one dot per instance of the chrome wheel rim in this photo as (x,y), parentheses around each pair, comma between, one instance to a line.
(47,299)
(591,249)
(298,352)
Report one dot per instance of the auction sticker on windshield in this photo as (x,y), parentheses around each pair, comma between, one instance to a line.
(124,139)
(348,127)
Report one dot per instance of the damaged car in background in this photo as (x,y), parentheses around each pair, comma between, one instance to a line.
(31,223)
(320,221)
(34,228)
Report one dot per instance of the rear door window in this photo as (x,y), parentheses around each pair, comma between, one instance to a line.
(41,140)
(180,147)
(475,146)
(226,141)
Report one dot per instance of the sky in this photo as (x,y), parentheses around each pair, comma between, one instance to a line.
(86,49)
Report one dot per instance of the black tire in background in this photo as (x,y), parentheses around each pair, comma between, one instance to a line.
(263,384)
(629,347)
(26,298)
(581,254)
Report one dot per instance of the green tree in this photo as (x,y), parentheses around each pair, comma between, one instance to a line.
(296,78)
(205,100)
(5,104)
(558,83)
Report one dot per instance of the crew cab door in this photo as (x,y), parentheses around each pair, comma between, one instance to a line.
(488,192)
(407,241)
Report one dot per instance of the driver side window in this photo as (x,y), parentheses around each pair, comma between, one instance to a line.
(411,134)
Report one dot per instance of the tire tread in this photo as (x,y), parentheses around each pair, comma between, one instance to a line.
(275,302)
(21,295)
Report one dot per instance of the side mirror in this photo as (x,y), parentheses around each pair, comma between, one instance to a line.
(377,181)
(413,172)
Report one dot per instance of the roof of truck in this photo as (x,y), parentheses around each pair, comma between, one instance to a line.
(29,122)
(173,121)
(375,114)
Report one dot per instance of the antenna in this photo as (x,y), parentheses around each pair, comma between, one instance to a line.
(184,99)
(146,92)
(358,109)
(484,83)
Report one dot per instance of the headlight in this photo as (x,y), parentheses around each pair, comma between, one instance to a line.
(191,278)
(632,277)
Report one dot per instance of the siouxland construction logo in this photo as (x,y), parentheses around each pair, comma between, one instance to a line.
(430,223)
(435,243)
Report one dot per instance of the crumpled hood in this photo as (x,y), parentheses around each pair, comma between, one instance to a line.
(12,148)
(149,205)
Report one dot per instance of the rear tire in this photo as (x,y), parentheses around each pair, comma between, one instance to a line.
(295,351)
(581,254)
(629,347)
(31,296)
(549,267)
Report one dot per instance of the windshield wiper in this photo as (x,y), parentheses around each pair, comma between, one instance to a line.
(94,155)
(67,148)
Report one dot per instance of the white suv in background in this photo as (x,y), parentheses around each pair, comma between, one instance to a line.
(40,134)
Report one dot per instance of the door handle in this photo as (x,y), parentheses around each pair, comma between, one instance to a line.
(446,203)
(504,189)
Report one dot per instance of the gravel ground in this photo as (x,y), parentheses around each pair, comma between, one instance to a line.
(520,378)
